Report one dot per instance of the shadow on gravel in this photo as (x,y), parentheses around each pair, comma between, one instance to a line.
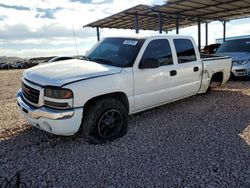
(195,142)
(240,78)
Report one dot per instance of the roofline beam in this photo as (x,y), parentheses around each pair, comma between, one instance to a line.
(180,15)
(176,2)
(152,16)
(129,22)
(192,7)
(207,6)
(149,18)
(225,18)
(229,10)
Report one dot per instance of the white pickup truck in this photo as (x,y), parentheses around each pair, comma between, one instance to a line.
(120,76)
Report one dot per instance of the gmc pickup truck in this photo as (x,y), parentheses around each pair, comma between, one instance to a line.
(119,76)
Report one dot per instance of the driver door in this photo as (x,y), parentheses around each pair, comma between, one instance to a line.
(155,86)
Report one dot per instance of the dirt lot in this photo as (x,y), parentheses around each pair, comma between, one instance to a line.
(201,141)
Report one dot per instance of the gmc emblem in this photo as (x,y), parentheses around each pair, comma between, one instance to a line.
(26,90)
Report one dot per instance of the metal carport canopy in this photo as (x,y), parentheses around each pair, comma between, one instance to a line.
(175,14)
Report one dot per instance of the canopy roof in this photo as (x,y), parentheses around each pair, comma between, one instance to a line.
(182,12)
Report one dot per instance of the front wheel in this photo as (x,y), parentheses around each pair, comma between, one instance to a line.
(104,120)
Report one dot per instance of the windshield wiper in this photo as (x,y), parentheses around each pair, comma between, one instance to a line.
(102,61)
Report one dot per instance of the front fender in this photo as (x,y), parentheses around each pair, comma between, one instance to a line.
(87,89)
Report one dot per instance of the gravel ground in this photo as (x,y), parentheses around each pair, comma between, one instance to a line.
(201,141)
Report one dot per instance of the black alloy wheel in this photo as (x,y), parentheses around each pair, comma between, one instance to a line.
(104,119)
(109,124)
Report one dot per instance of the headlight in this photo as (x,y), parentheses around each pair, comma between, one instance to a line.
(58,93)
(58,97)
(242,62)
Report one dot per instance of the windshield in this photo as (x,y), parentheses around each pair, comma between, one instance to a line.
(239,45)
(120,52)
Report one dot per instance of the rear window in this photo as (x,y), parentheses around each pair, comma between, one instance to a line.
(185,50)
(239,45)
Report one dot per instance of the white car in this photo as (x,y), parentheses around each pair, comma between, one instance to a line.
(239,50)
(18,65)
(122,76)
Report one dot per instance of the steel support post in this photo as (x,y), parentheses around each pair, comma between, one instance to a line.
(199,34)
(136,24)
(98,33)
(160,22)
(206,25)
(224,31)
(177,25)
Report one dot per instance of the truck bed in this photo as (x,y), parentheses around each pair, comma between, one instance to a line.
(208,57)
(213,64)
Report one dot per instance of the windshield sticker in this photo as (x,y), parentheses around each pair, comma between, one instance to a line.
(130,42)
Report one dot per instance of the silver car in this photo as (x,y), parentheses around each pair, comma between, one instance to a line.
(239,50)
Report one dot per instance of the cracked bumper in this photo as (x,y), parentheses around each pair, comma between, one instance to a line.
(59,122)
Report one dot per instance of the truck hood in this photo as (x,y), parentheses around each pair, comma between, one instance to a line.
(63,72)
(237,56)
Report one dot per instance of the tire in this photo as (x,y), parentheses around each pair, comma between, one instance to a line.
(104,120)
(212,85)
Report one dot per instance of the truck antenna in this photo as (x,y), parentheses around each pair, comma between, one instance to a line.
(75,40)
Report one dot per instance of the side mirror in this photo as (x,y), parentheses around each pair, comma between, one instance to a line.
(149,63)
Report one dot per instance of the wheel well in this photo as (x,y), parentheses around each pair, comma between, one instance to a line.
(217,77)
(122,97)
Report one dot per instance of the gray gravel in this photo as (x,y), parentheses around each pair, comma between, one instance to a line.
(201,141)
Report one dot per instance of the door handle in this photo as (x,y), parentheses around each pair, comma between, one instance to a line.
(196,69)
(173,72)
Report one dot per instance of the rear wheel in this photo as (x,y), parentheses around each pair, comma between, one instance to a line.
(216,81)
(212,85)
(104,120)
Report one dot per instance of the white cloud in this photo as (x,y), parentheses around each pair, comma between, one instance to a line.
(25,29)
(38,52)
(32,30)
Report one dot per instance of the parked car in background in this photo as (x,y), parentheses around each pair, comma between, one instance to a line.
(211,49)
(5,66)
(239,50)
(1,65)
(17,65)
(119,76)
(63,58)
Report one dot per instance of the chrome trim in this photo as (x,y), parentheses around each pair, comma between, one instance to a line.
(41,93)
(42,111)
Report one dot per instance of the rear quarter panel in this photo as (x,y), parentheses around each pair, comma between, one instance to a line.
(212,66)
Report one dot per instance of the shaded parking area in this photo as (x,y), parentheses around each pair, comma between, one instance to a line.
(201,141)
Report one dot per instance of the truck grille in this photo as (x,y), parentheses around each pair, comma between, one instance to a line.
(30,93)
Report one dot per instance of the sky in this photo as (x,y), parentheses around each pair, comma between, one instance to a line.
(35,28)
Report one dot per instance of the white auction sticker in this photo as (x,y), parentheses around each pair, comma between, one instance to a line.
(130,42)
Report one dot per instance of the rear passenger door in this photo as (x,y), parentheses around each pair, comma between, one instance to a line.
(155,86)
(189,67)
